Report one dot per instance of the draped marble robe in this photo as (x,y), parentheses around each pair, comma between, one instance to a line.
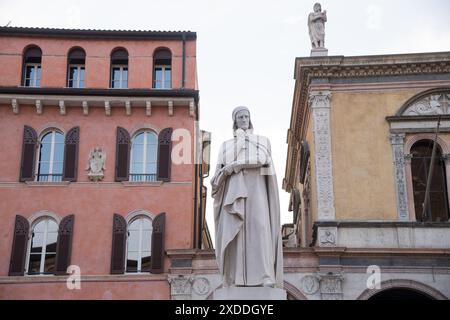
(316,26)
(247,213)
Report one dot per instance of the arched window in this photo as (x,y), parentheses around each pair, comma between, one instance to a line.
(139,240)
(119,69)
(32,67)
(51,157)
(42,248)
(437,208)
(162,69)
(75,65)
(144,156)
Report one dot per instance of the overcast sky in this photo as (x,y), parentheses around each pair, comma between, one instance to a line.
(246,49)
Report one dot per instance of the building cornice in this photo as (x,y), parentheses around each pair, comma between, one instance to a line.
(185,93)
(105,98)
(97,34)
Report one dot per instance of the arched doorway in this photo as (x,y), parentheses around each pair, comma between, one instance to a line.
(399,294)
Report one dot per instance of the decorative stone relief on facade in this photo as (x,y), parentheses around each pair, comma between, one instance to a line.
(397,141)
(309,284)
(180,287)
(96,164)
(328,237)
(430,105)
(321,104)
(201,286)
(331,286)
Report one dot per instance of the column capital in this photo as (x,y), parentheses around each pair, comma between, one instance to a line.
(320,99)
(180,286)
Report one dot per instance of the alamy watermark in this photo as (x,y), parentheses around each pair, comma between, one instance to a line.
(73,282)
(374,279)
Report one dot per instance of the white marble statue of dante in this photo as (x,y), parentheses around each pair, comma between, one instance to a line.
(316,25)
(247,210)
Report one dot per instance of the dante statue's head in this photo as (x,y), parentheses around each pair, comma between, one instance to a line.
(317,7)
(241,119)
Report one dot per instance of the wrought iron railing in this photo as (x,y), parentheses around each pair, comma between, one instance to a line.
(49,177)
(142,177)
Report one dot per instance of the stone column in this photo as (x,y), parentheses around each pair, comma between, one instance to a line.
(321,106)
(180,287)
(397,141)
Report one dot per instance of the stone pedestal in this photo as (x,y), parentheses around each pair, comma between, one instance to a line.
(250,293)
(319,52)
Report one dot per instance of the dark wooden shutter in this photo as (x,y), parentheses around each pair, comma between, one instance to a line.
(164,152)
(159,225)
(29,145)
(119,239)
(123,146)
(19,247)
(64,246)
(304,158)
(71,154)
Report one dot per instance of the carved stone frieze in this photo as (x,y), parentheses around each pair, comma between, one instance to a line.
(397,141)
(321,104)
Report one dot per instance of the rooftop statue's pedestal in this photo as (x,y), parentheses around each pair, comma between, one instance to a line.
(250,293)
(319,52)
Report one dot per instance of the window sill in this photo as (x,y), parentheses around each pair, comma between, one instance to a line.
(141,183)
(46,184)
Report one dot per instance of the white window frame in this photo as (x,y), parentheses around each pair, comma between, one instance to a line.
(121,81)
(141,230)
(163,81)
(144,160)
(33,81)
(44,247)
(78,66)
(52,154)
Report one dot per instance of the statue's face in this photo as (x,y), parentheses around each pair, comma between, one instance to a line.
(317,7)
(243,119)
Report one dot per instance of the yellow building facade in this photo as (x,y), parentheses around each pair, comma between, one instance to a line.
(359,152)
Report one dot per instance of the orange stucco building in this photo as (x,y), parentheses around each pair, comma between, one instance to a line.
(89,122)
